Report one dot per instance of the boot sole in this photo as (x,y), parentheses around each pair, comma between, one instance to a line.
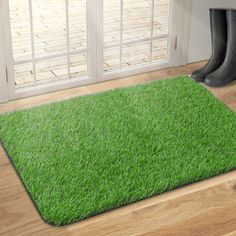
(198,80)
(215,84)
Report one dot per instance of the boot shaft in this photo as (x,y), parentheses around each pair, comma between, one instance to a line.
(230,57)
(219,32)
(231,25)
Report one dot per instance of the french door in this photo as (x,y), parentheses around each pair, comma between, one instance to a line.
(52,45)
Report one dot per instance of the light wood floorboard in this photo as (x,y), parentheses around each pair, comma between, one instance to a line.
(205,208)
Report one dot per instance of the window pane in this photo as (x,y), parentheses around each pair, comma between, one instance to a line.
(137,19)
(49,19)
(136,54)
(111,59)
(111,22)
(77,24)
(20,29)
(161,17)
(78,65)
(24,75)
(159,50)
(51,69)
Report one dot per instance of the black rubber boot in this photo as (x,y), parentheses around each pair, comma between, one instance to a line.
(227,71)
(219,43)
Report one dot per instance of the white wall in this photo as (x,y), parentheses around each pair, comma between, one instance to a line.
(199,47)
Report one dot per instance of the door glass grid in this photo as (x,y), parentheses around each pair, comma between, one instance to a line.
(135,33)
(49,40)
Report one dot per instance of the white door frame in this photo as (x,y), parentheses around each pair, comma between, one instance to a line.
(180,11)
(3,72)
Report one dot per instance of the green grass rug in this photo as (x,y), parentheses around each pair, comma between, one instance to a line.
(91,154)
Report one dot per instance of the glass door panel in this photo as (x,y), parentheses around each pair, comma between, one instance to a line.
(135,33)
(54,45)
(49,41)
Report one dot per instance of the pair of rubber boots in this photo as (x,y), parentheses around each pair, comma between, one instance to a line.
(221,68)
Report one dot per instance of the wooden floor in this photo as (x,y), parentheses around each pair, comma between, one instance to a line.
(205,208)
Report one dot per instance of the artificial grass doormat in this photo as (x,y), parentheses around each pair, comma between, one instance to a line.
(91,154)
